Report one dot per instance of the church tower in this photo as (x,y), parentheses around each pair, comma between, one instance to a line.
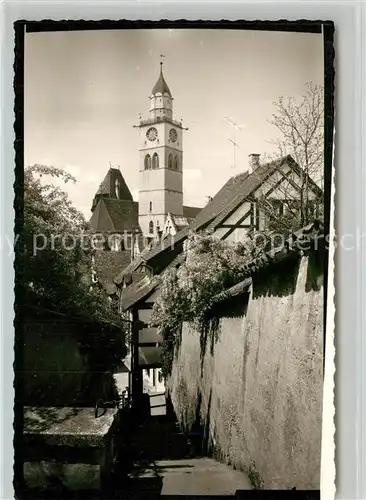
(161,162)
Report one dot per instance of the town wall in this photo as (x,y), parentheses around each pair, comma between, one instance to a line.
(256,378)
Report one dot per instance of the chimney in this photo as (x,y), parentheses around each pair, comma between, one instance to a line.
(254,161)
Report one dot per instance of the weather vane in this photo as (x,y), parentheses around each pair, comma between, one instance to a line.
(162,57)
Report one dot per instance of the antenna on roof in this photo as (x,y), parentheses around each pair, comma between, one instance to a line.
(236,126)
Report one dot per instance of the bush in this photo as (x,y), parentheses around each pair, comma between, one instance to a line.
(187,293)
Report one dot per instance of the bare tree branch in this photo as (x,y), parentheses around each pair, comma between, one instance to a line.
(301,127)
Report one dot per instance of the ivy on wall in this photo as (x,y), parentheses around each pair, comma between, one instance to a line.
(186,294)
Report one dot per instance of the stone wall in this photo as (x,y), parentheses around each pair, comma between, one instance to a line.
(256,381)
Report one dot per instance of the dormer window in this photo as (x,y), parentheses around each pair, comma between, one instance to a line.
(116,188)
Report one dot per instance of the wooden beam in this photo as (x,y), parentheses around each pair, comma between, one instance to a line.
(238,222)
(145,306)
(137,383)
(150,344)
(152,365)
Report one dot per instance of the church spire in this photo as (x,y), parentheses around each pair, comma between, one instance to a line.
(161,87)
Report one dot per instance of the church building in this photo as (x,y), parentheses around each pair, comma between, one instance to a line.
(129,225)
(161,164)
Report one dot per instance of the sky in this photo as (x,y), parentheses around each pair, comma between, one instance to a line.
(84,91)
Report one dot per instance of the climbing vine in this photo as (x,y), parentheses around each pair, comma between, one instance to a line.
(186,293)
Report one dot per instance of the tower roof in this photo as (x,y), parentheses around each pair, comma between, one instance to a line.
(107,189)
(107,186)
(161,87)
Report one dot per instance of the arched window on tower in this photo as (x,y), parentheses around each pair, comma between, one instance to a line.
(170,161)
(155,160)
(150,206)
(176,163)
(147,162)
(151,227)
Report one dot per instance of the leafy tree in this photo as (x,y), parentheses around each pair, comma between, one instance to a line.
(300,124)
(57,248)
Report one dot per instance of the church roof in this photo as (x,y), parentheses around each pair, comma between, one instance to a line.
(108,187)
(115,216)
(161,87)
(191,212)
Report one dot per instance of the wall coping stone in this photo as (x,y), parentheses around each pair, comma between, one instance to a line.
(65,426)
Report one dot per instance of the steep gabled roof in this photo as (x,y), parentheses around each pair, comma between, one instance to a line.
(114,216)
(254,181)
(107,187)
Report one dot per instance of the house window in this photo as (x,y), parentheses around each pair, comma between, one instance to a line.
(151,227)
(176,163)
(147,162)
(160,377)
(115,244)
(150,206)
(170,161)
(155,160)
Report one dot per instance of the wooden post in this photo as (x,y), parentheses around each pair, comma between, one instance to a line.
(137,386)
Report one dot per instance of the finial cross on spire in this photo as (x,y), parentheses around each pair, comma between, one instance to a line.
(162,57)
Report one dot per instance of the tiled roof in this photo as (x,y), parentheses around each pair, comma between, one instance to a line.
(137,291)
(108,264)
(252,182)
(311,236)
(233,291)
(115,216)
(132,267)
(191,212)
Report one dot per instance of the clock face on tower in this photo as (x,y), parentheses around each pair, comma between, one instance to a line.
(173,135)
(152,134)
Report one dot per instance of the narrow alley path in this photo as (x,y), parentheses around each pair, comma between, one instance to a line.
(192,476)
(159,460)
